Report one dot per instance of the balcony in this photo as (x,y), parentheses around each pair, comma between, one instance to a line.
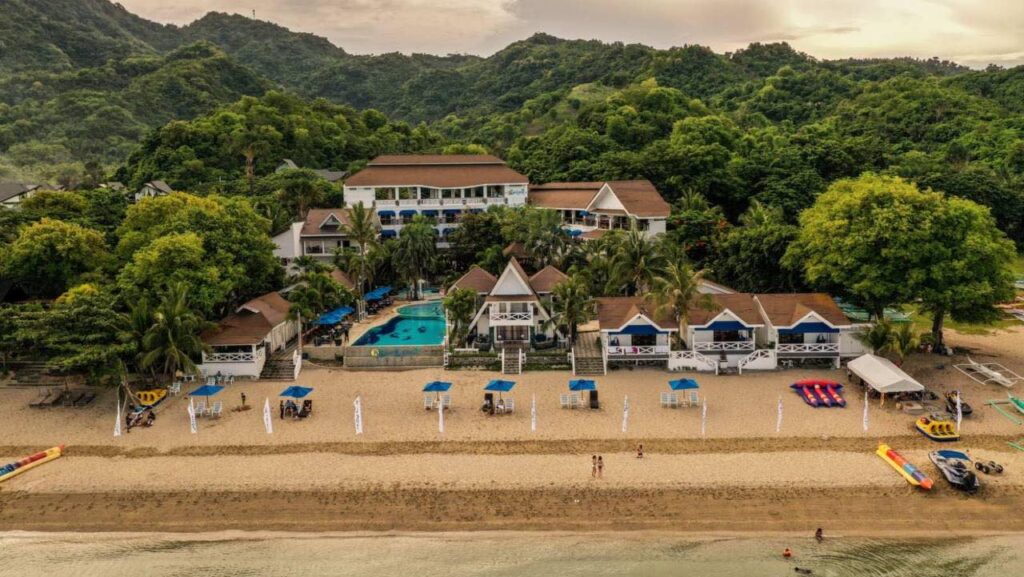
(807,349)
(524,318)
(435,202)
(724,346)
(649,352)
(234,357)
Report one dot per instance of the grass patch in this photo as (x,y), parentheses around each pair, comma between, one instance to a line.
(923,324)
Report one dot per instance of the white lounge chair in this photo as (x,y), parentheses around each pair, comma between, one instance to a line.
(669,400)
(200,408)
(174,388)
(563,401)
(217,409)
(446,401)
(510,405)
(574,401)
(428,402)
(694,400)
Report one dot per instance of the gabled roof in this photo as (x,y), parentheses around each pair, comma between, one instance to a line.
(160,185)
(9,190)
(475,279)
(316,217)
(740,305)
(788,309)
(516,249)
(544,281)
(343,279)
(615,312)
(513,268)
(288,163)
(638,197)
(436,170)
(330,175)
(251,322)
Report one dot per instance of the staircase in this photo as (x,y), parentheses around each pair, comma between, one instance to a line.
(280,366)
(587,355)
(511,358)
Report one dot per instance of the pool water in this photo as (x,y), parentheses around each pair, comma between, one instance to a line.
(418,324)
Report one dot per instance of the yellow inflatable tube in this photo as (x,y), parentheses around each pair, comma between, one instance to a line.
(30,462)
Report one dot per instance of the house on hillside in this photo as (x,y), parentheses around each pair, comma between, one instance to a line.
(12,193)
(152,189)
(590,209)
(319,235)
(242,343)
(438,186)
(332,176)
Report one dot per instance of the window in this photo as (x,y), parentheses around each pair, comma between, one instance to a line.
(383,194)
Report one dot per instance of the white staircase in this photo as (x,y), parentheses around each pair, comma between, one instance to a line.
(759,360)
(682,360)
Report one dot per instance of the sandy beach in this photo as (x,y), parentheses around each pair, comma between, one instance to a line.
(488,472)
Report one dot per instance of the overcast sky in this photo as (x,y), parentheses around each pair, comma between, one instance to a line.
(972,32)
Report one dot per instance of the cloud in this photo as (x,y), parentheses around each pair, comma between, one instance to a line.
(968,31)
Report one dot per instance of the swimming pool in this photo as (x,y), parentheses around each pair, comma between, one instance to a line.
(418,324)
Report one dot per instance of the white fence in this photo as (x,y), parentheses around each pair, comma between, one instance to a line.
(645,351)
(693,360)
(759,360)
(514,318)
(735,346)
(236,357)
(807,348)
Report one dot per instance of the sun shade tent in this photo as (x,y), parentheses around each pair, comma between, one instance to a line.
(377,294)
(296,392)
(333,317)
(500,386)
(582,385)
(882,375)
(683,384)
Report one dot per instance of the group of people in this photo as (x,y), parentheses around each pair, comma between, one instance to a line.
(291,409)
(597,466)
(492,407)
(135,419)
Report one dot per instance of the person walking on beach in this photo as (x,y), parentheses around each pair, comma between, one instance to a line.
(282,409)
(819,535)
(243,399)
(640,451)
(600,466)
(593,466)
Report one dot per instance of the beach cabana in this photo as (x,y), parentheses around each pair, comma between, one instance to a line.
(683,384)
(671,400)
(334,317)
(290,408)
(883,376)
(296,392)
(204,407)
(436,387)
(498,386)
(581,385)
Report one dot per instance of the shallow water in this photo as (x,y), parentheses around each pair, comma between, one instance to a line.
(497,555)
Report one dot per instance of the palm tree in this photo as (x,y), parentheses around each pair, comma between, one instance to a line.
(878,338)
(677,290)
(572,305)
(138,322)
(173,340)
(302,193)
(903,341)
(636,263)
(362,231)
(309,265)
(415,251)
(759,214)
(544,238)
(459,304)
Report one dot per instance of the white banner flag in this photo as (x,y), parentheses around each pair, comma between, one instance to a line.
(865,411)
(959,411)
(117,419)
(358,406)
(703,418)
(192,417)
(440,417)
(625,414)
(533,414)
(268,420)
(778,420)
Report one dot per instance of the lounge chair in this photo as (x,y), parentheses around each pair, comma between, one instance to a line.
(58,400)
(86,398)
(174,389)
(428,402)
(564,402)
(669,400)
(510,405)
(217,408)
(43,401)
(694,400)
(446,401)
(574,400)
(200,408)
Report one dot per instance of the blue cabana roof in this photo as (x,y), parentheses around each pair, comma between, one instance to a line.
(377,293)
(386,213)
(582,385)
(640,330)
(207,391)
(683,384)
(500,386)
(388,234)
(437,387)
(407,212)
(296,392)
(724,326)
(333,317)
(808,328)
(574,232)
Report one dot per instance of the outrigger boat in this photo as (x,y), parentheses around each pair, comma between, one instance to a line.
(1017,403)
(956,468)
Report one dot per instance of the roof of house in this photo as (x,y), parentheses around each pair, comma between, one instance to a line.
(787,309)
(476,279)
(742,305)
(614,312)
(288,163)
(251,322)
(316,217)
(9,190)
(639,197)
(516,249)
(435,170)
(343,279)
(594,234)
(160,185)
(330,175)
(544,281)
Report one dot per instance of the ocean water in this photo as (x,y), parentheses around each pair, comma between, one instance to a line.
(503,554)
(417,324)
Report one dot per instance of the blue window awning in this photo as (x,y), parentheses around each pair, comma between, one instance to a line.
(452,211)
(808,328)
(724,326)
(407,213)
(387,213)
(640,330)
(429,213)
(333,317)
(388,234)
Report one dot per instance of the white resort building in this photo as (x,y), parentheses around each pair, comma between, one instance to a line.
(242,343)
(318,236)
(438,186)
(589,209)
(152,189)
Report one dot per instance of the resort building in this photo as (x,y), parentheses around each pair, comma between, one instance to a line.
(318,236)
(590,209)
(12,193)
(152,189)
(243,343)
(440,187)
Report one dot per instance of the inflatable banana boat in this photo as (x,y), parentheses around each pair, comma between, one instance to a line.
(909,472)
(30,462)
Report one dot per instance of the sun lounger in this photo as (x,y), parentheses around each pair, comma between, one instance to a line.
(200,408)
(563,401)
(174,389)
(510,405)
(59,399)
(217,409)
(669,400)
(574,400)
(428,402)
(43,401)
(86,398)
(693,401)
(446,401)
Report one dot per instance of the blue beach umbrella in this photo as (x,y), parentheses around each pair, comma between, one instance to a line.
(500,386)
(683,384)
(437,387)
(296,392)
(582,385)
(207,391)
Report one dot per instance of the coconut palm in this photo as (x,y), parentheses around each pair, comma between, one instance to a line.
(459,305)
(878,337)
(635,263)
(309,265)
(361,230)
(415,251)
(759,214)
(173,341)
(903,341)
(302,193)
(677,290)
(572,305)
(138,322)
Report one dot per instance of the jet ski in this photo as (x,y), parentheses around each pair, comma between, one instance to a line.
(965,409)
(956,468)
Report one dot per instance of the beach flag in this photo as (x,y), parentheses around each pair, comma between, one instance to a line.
(268,421)
(533,414)
(192,417)
(959,411)
(440,417)
(117,419)
(865,411)
(625,414)
(358,405)
(703,418)
(778,421)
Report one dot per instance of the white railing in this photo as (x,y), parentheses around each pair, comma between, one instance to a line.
(679,360)
(638,351)
(804,348)
(475,201)
(513,317)
(738,346)
(237,357)
(761,359)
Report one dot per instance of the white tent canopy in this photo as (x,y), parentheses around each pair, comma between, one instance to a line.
(882,375)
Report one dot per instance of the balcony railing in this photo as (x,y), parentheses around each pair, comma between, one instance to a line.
(235,357)
(474,201)
(725,346)
(512,318)
(639,351)
(807,348)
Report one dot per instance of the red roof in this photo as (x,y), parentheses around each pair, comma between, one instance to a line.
(436,170)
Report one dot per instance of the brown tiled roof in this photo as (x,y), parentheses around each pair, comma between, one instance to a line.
(594,234)
(161,186)
(516,249)
(251,323)
(638,196)
(613,312)
(740,304)
(343,279)
(514,263)
(785,310)
(510,298)
(436,170)
(476,279)
(546,279)
(564,195)
(316,216)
